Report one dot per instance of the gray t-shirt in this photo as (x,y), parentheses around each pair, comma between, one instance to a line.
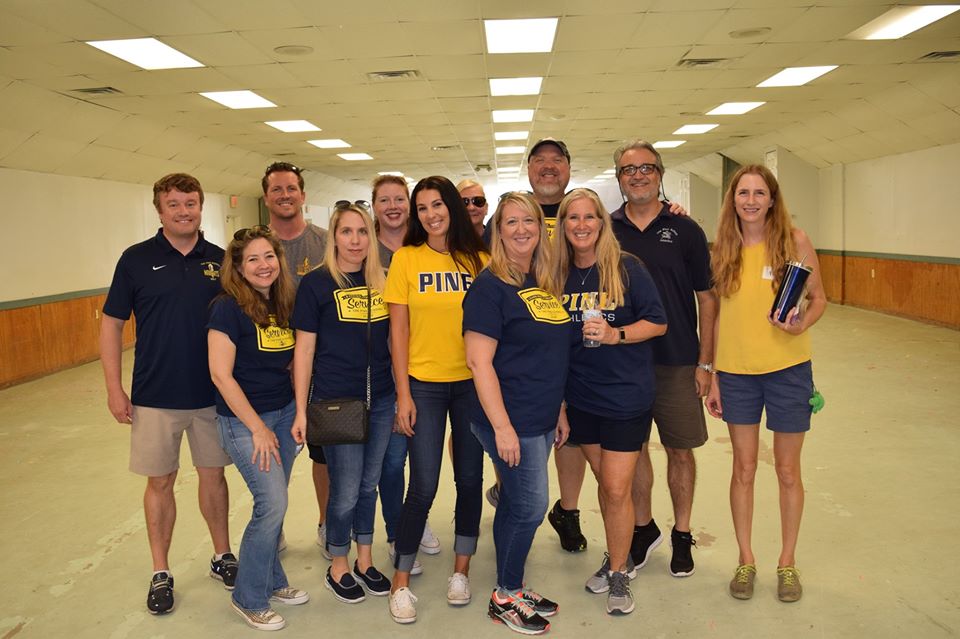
(385,255)
(305,253)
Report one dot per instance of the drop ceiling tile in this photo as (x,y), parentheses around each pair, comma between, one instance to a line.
(592,32)
(942,127)
(242,16)
(224,49)
(646,59)
(524,65)
(78,19)
(42,152)
(460,88)
(672,28)
(10,139)
(824,24)
(460,37)
(170,17)
(440,67)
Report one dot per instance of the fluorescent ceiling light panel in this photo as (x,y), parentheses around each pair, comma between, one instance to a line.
(610,172)
(601,177)
(694,129)
(668,144)
(238,99)
(329,144)
(512,115)
(515,86)
(146,53)
(735,108)
(508,169)
(293,126)
(396,173)
(901,21)
(520,36)
(508,150)
(510,135)
(796,76)
(354,157)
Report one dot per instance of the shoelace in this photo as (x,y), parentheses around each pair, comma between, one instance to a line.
(404,597)
(285,593)
(261,616)
(520,605)
(604,567)
(619,584)
(789,575)
(742,575)
(161,583)
(531,596)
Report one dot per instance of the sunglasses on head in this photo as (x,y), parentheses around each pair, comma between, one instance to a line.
(342,204)
(476,200)
(282,166)
(254,231)
(631,169)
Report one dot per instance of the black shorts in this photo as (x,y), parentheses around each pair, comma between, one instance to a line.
(316,454)
(622,435)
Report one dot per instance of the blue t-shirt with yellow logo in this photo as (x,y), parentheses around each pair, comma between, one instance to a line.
(530,327)
(262,362)
(338,316)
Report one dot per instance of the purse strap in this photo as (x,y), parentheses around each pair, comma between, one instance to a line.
(369,348)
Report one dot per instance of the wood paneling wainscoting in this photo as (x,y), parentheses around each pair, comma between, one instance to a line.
(44,337)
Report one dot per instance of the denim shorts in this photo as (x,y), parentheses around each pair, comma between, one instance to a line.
(622,435)
(785,394)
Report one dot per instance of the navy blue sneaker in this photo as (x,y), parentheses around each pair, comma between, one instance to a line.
(347,589)
(160,597)
(373,581)
(225,569)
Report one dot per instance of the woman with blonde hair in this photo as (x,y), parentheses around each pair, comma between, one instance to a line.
(615,309)
(762,363)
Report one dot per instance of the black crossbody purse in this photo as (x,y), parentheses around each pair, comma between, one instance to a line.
(344,420)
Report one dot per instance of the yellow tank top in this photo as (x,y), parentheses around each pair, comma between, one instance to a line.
(747,343)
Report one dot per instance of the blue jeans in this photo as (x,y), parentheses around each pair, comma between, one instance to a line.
(260,572)
(433,401)
(524,498)
(392,483)
(354,474)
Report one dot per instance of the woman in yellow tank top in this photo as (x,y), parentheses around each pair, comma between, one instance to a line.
(762,363)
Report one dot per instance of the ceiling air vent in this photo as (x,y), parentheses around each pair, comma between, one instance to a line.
(701,63)
(98,91)
(390,76)
(936,56)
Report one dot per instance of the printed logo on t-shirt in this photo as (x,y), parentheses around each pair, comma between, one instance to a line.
(444,282)
(579,301)
(551,224)
(667,235)
(352,305)
(211,270)
(767,272)
(273,339)
(543,306)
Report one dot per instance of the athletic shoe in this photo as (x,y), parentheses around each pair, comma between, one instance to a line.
(619,599)
(160,596)
(598,583)
(290,596)
(322,541)
(429,542)
(645,541)
(265,619)
(458,589)
(516,613)
(402,607)
(392,551)
(373,581)
(540,604)
(493,495)
(788,584)
(346,590)
(567,525)
(741,586)
(681,564)
(225,569)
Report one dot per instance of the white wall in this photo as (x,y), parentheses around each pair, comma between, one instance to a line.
(800,186)
(704,205)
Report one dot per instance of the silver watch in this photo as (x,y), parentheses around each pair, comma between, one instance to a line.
(706,367)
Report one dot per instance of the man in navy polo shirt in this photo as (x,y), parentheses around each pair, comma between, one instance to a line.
(168,282)
(674,250)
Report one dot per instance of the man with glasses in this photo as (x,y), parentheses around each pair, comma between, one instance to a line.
(167,282)
(674,250)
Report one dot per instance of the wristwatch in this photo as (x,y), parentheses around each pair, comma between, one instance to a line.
(706,367)
(623,335)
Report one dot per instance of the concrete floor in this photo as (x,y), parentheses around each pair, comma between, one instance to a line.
(879,536)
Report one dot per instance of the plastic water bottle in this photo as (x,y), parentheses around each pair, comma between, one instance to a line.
(590,311)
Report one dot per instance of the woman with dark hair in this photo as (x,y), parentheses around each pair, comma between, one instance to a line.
(761,362)
(250,345)
(428,278)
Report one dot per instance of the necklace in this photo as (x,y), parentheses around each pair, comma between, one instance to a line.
(584,276)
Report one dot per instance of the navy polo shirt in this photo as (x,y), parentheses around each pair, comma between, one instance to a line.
(612,380)
(530,327)
(674,250)
(170,294)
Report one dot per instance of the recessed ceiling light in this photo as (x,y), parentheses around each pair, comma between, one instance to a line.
(293,126)
(329,144)
(508,150)
(396,173)
(735,108)
(353,157)
(901,21)
(668,144)
(146,53)
(513,115)
(520,36)
(796,76)
(694,129)
(238,99)
(293,49)
(510,135)
(515,86)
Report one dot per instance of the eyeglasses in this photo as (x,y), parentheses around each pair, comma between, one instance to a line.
(476,200)
(254,231)
(282,166)
(631,169)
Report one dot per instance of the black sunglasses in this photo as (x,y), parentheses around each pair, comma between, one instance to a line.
(631,169)
(282,166)
(476,200)
(342,204)
(254,231)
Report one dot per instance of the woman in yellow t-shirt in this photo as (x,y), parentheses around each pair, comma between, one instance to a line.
(762,363)
(428,277)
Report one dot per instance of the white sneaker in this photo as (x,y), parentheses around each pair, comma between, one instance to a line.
(417,566)
(458,589)
(322,540)
(402,607)
(429,542)
(260,619)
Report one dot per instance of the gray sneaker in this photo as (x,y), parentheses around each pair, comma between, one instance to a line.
(598,582)
(619,599)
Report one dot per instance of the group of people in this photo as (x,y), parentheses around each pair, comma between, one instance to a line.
(557,326)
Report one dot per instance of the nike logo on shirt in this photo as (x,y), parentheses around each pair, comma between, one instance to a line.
(157,268)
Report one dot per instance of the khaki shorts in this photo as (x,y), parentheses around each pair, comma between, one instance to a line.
(155,440)
(677,410)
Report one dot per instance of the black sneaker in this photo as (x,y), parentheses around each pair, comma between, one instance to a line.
(160,597)
(225,569)
(516,613)
(540,604)
(645,540)
(347,590)
(681,565)
(374,581)
(567,525)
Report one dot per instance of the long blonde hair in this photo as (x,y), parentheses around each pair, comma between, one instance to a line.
(372,270)
(609,265)
(251,302)
(726,260)
(500,265)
